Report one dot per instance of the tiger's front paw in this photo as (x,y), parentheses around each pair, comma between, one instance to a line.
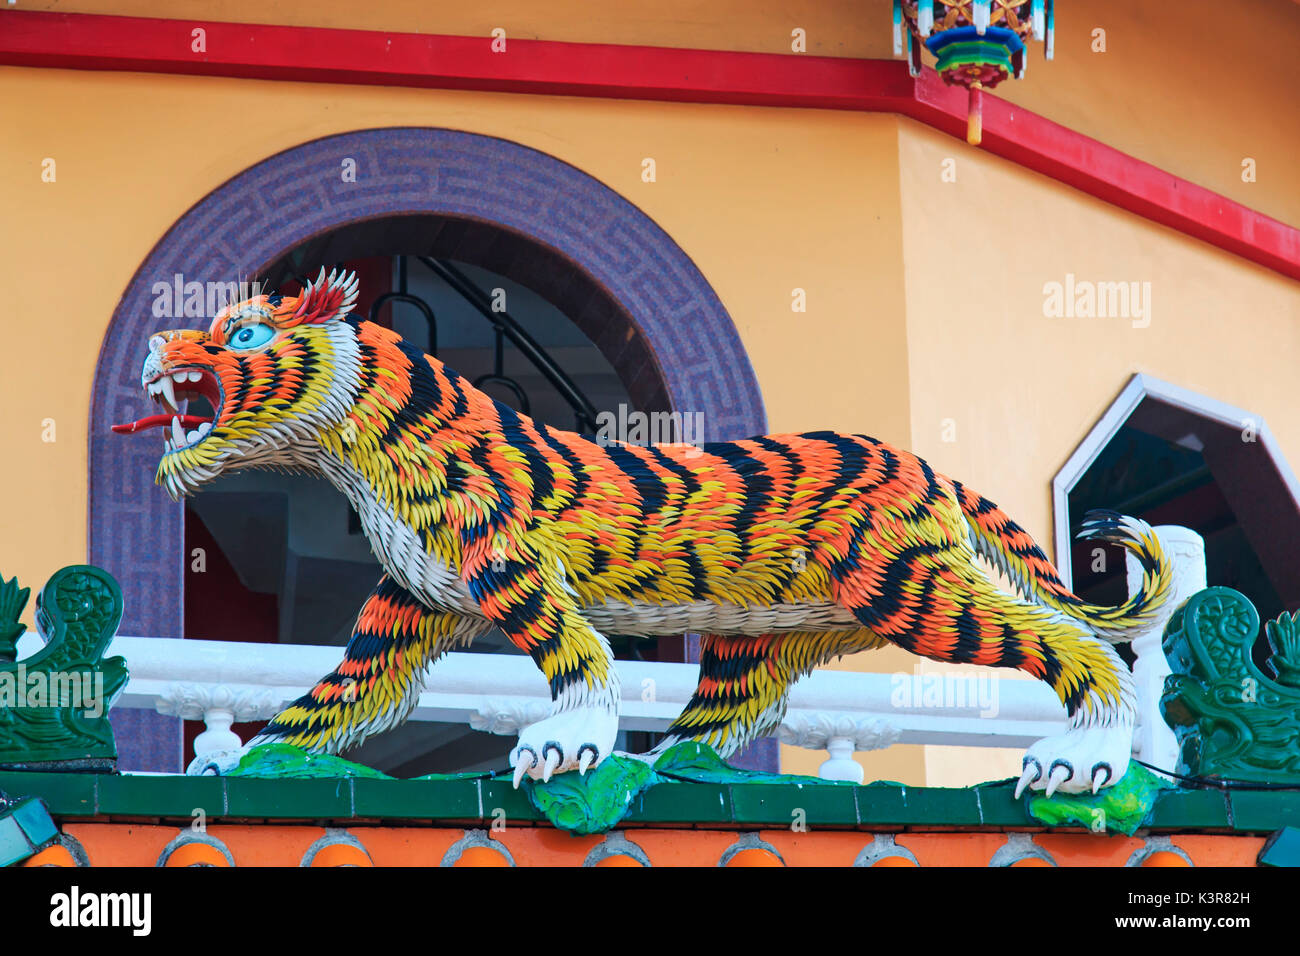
(576,739)
(1081,760)
(216,763)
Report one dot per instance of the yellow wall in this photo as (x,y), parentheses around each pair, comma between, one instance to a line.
(1193,87)
(1022,389)
(924,297)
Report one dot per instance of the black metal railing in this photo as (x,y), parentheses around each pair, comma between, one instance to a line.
(504,327)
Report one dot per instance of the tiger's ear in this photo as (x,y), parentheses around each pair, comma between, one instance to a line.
(325,299)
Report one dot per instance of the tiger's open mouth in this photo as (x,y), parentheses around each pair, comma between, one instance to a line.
(172,390)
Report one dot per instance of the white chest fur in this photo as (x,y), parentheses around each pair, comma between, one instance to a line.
(401,550)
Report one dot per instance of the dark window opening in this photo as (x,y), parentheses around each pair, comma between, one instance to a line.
(1169,465)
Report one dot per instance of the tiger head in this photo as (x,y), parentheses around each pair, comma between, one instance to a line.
(284,378)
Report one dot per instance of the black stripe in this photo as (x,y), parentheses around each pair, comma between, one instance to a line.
(539,469)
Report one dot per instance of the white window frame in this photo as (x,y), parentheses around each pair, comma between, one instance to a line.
(1140,387)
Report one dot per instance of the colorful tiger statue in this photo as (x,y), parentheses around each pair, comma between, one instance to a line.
(785,552)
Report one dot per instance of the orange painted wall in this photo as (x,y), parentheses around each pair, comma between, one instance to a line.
(130,844)
(1016,390)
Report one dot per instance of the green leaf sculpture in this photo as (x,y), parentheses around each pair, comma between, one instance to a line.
(12,601)
(1284,638)
(54,704)
(1121,808)
(284,761)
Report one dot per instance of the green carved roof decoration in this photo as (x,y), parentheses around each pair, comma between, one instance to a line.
(1284,638)
(1232,720)
(12,601)
(54,704)
(594,802)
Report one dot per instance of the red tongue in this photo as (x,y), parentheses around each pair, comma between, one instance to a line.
(188,422)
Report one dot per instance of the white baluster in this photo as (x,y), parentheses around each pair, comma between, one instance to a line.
(1153,741)
(841,735)
(218,706)
(218,735)
(841,765)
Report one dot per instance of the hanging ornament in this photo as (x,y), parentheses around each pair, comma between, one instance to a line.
(976,43)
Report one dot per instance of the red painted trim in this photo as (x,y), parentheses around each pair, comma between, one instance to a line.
(313,54)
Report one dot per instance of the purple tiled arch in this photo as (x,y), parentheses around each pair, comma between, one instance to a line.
(237,230)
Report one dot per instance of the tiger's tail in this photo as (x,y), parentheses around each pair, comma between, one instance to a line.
(1010,549)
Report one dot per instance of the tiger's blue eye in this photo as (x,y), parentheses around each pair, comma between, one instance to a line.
(251,336)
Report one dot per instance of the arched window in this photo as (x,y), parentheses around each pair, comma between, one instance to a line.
(497,211)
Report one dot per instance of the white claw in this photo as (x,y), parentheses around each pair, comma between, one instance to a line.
(588,755)
(1099,777)
(1060,773)
(1030,774)
(521,768)
(552,761)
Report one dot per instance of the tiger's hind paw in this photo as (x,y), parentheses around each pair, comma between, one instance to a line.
(576,739)
(1082,760)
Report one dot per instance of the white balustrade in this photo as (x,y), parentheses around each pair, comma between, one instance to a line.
(221,682)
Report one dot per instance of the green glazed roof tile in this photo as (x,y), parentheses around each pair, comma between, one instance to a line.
(702,803)
(66,794)
(943,806)
(882,802)
(145,796)
(783,804)
(1191,808)
(417,799)
(311,799)
(498,794)
(1264,811)
(999,807)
